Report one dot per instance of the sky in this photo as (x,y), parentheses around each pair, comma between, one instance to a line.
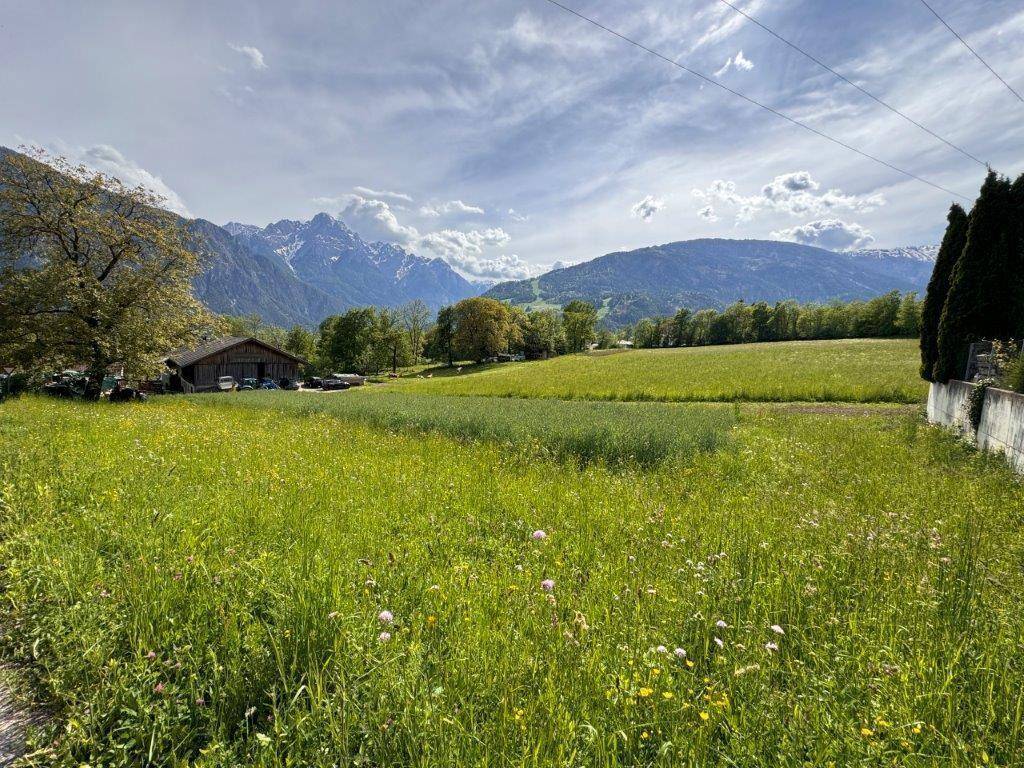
(508,136)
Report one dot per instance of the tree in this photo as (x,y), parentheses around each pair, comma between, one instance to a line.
(481,328)
(979,303)
(543,334)
(415,316)
(682,334)
(908,319)
(938,287)
(442,346)
(253,325)
(301,343)
(345,338)
(388,344)
(579,319)
(645,334)
(92,271)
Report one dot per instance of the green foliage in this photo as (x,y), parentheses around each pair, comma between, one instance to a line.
(200,585)
(579,319)
(92,271)
(855,370)
(938,287)
(1013,375)
(253,326)
(482,328)
(620,434)
(301,343)
(979,304)
(344,340)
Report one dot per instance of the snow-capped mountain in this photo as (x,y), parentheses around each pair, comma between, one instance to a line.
(328,255)
(913,252)
(913,263)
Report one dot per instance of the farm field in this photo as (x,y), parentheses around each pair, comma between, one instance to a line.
(851,370)
(222,584)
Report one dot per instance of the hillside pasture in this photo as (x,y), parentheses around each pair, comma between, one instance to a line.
(851,370)
(222,585)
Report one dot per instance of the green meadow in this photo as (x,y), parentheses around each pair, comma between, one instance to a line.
(853,370)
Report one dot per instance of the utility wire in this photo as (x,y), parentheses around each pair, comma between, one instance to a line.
(849,82)
(976,54)
(756,103)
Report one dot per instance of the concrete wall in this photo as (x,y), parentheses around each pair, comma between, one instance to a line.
(1002,425)
(1002,418)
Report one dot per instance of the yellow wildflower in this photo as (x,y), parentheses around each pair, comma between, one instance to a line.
(645,692)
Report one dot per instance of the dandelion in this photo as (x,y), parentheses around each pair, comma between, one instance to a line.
(385,617)
(538,535)
(548,585)
(645,692)
(667,695)
(384,636)
(680,653)
(778,630)
(705,716)
(773,647)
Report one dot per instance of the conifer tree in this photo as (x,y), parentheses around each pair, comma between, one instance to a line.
(979,303)
(938,287)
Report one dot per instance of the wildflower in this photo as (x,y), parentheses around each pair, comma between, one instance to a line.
(778,630)
(866,732)
(667,695)
(158,688)
(721,624)
(384,636)
(548,585)
(538,535)
(680,653)
(151,655)
(661,649)
(771,647)
(645,692)
(431,621)
(916,729)
(385,617)
(705,716)
(333,615)
(200,701)
(719,642)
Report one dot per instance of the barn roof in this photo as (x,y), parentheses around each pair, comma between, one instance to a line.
(182,358)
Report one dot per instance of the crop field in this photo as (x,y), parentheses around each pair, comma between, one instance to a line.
(643,434)
(854,370)
(235,583)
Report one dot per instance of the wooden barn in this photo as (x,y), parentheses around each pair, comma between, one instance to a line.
(197,370)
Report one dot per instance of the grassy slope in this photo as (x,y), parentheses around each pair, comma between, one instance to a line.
(251,552)
(857,370)
(644,434)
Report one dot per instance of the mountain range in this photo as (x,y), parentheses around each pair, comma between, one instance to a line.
(712,273)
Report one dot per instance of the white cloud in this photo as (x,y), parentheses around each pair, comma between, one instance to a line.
(108,160)
(738,62)
(708,213)
(254,55)
(451,207)
(393,198)
(374,220)
(516,216)
(833,234)
(791,193)
(465,252)
(647,207)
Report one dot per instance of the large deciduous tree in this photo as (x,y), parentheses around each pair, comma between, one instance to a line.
(938,287)
(92,272)
(579,319)
(481,328)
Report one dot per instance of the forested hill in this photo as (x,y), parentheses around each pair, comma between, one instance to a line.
(713,273)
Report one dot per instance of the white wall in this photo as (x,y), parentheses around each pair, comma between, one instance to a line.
(1002,418)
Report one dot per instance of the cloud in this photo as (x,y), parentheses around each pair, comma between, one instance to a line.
(108,160)
(374,220)
(833,234)
(452,206)
(254,55)
(465,252)
(708,213)
(738,62)
(791,193)
(516,216)
(389,197)
(647,207)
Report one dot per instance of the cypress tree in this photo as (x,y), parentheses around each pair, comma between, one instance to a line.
(979,303)
(1017,266)
(938,287)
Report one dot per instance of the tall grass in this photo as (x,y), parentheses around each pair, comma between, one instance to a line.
(853,370)
(201,585)
(613,433)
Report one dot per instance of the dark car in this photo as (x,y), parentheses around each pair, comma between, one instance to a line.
(289,384)
(332,383)
(314,382)
(248,384)
(123,392)
(268,384)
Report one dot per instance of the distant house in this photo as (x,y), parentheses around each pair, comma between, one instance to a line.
(197,370)
(624,344)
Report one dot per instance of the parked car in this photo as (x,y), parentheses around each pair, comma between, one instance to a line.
(227,384)
(314,382)
(268,384)
(353,379)
(332,383)
(289,384)
(125,392)
(248,384)
(66,384)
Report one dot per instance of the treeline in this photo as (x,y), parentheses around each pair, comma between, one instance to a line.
(886,316)
(977,288)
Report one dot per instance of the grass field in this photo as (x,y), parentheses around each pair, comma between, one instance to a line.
(855,370)
(643,434)
(203,585)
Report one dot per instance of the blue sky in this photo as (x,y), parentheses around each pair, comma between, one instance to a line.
(508,136)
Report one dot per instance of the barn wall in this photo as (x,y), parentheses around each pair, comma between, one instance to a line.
(246,361)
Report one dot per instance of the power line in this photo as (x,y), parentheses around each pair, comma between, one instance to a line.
(976,54)
(849,82)
(756,103)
